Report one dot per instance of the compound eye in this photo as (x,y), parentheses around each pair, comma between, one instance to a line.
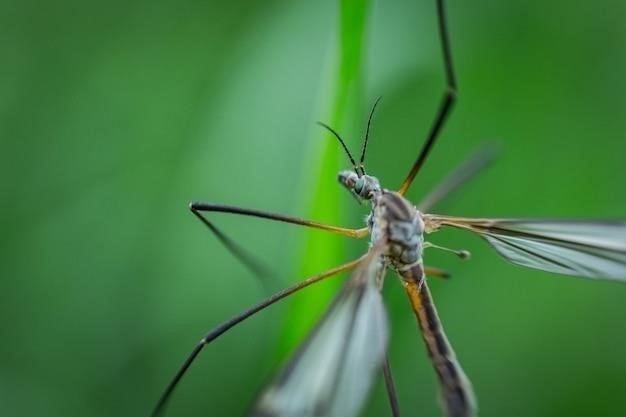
(358,185)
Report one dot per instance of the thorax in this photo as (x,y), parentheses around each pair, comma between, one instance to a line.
(395,220)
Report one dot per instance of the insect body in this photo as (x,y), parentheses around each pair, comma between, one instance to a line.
(397,221)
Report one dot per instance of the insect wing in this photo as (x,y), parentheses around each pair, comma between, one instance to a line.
(590,249)
(332,372)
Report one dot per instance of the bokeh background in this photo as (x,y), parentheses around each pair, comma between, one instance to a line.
(115,115)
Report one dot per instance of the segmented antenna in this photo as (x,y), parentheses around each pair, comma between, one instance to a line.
(343,144)
(367,134)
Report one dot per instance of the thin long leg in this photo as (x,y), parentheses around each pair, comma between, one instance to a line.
(256,267)
(447,102)
(462,174)
(221,329)
(391,388)
(199,207)
(456,389)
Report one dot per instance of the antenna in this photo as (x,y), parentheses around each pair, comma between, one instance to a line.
(343,144)
(367,134)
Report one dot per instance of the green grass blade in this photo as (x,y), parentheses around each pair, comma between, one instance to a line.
(322,249)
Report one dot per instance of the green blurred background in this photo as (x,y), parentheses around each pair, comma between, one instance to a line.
(115,115)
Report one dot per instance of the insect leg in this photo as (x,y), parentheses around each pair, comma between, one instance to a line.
(446,104)
(227,325)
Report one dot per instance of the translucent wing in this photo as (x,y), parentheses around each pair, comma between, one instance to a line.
(590,249)
(332,372)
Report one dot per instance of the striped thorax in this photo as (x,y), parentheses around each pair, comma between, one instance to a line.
(393,218)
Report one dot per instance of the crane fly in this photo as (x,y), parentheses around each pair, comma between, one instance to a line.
(333,370)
